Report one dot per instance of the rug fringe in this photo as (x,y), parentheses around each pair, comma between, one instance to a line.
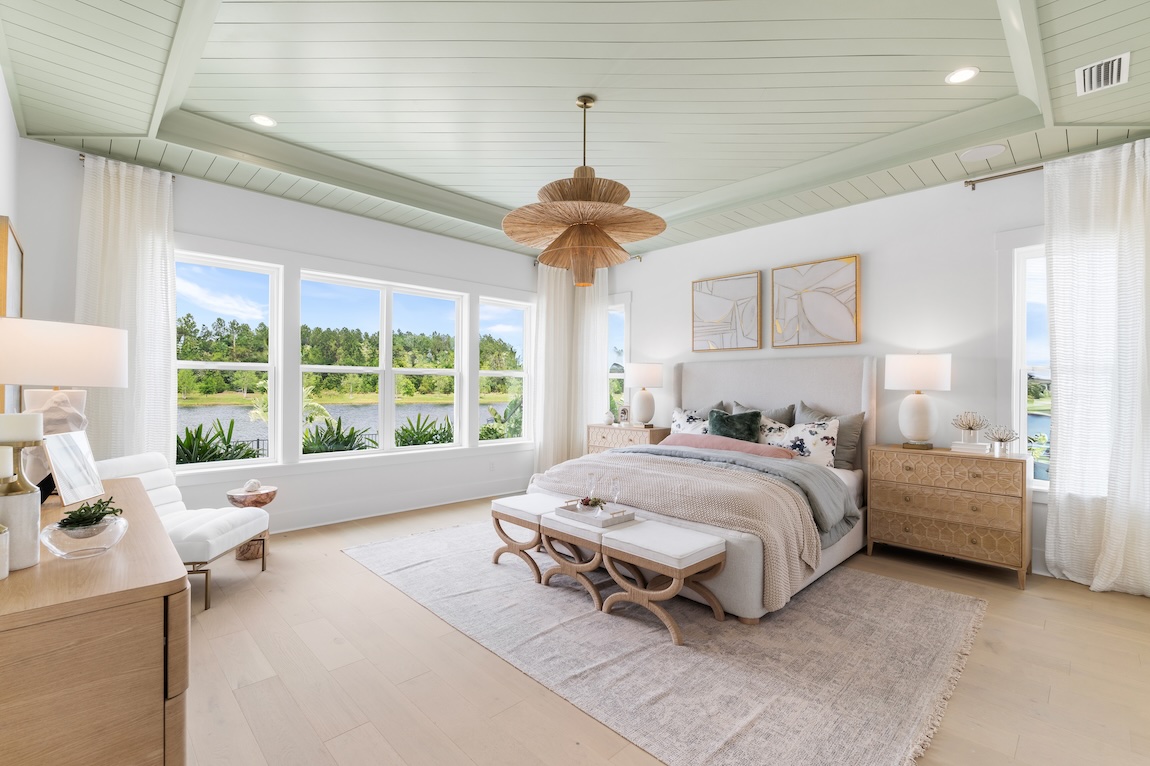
(934,720)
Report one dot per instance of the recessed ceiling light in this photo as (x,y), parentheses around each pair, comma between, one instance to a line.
(962,75)
(982,152)
(263,121)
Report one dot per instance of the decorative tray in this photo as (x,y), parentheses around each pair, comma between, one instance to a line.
(612,514)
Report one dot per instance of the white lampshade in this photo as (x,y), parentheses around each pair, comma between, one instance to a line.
(35,353)
(918,372)
(643,375)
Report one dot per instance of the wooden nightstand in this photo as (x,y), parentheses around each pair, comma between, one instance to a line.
(604,437)
(971,507)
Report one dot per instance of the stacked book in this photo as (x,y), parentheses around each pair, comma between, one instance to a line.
(972,448)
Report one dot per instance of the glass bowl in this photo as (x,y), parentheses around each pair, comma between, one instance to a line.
(82,542)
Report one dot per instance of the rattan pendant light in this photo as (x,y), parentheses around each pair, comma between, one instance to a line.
(580,221)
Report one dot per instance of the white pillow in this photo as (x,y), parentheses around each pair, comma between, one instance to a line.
(811,442)
(692,421)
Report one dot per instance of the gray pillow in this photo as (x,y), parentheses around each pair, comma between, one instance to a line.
(743,426)
(784,415)
(850,432)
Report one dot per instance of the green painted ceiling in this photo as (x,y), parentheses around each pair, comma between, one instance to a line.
(444,116)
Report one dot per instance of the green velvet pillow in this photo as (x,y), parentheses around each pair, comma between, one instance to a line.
(743,426)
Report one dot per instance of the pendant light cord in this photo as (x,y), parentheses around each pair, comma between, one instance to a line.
(584,135)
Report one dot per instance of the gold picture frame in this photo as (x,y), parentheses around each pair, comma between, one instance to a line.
(726,312)
(11,296)
(816,303)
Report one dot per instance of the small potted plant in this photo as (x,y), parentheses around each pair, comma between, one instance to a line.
(1000,437)
(591,503)
(88,530)
(969,424)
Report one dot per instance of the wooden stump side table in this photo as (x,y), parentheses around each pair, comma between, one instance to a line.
(241,498)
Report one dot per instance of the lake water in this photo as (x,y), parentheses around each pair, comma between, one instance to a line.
(355,415)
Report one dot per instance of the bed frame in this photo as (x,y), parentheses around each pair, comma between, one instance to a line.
(835,384)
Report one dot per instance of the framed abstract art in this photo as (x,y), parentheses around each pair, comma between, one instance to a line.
(726,313)
(816,303)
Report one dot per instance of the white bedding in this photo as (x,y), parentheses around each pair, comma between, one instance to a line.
(854,481)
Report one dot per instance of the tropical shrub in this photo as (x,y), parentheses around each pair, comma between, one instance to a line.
(505,425)
(331,437)
(424,431)
(213,446)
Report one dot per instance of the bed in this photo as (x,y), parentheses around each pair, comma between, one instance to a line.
(839,385)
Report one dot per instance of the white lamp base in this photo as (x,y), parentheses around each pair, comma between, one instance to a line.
(642,407)
(918,420)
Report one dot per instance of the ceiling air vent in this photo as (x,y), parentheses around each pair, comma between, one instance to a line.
(1104,74)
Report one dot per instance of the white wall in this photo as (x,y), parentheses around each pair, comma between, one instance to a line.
(9,136)
(930,274)
(222,220)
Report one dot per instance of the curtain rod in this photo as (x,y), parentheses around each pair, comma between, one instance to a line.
(976,181)
(131,163)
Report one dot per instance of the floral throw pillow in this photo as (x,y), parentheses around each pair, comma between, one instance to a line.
(811,442)
(690,421)
(771,429)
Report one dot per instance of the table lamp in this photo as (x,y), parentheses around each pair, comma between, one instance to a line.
(643,375)
(917,416)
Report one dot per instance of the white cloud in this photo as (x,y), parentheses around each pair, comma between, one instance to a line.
(503,328)
(222,304)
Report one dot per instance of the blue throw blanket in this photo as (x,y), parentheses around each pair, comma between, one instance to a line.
(832,506)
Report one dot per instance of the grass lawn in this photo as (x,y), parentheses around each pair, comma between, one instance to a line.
(1038,406)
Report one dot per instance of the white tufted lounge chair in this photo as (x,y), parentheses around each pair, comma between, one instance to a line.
(200,536)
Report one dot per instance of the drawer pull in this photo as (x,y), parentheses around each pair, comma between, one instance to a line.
(906,527)
(906,498)
(974,508)
(908,468)
(976,474)
(974,541)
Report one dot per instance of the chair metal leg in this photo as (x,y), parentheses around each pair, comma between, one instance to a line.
(263,554)
(207,573)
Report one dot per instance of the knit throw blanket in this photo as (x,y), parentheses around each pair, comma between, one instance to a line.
(718,494)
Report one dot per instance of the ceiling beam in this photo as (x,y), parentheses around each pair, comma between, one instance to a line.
(995,121)
(1024,43)
(10,82)
(192,130)
(192,31)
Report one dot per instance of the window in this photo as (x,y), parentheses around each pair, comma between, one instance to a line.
(225,359)
(502,337)
(616,355)
(425,366)
(1032,356)
(339,365)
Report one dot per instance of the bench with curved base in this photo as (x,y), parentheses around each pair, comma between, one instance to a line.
(521,511)
(681,558)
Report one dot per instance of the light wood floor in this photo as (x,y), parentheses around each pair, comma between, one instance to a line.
(318,661)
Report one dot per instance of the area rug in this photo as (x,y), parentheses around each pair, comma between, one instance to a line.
(856,670)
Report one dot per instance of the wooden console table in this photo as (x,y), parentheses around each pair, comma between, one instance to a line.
(94,652)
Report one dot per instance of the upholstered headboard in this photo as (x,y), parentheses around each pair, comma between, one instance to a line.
(841,385)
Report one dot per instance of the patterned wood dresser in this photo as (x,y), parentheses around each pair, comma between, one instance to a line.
(604,437)
(968,506)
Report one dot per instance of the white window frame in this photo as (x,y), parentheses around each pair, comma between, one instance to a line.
(524,375)
(273,367)
(459,432)
(1020,371)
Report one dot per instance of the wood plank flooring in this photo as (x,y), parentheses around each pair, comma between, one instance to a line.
(318,661)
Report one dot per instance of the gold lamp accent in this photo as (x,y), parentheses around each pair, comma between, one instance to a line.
(579,222)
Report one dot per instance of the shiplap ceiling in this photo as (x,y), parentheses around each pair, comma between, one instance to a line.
(444,116)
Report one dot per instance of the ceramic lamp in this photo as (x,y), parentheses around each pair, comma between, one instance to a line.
(19,499)
(644,376)
(917,415)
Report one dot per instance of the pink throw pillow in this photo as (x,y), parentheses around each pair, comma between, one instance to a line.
(711,441)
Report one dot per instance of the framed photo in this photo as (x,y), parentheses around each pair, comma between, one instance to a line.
(816,303)
(11,296)
(73,466)
(726,312)
(624,414)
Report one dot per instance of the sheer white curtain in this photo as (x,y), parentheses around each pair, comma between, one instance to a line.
(125,278)
(1097,227)
(571,363)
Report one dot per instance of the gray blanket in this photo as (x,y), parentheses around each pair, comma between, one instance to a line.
(833,509)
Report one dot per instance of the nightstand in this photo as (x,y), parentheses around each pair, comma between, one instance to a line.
(604,437)
(971,507)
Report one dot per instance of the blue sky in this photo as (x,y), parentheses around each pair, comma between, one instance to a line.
(208,293)
(616,337)
(503,322)
(1037,325)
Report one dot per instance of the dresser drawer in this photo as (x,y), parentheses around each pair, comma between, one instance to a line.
(605,437)
(997,546)
(998,511)
(994,477)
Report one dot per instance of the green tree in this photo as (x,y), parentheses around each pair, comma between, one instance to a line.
(213,382)
(245,380)
(185,382)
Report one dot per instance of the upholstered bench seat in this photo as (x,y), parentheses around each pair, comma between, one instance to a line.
(521,511)
(680,557)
